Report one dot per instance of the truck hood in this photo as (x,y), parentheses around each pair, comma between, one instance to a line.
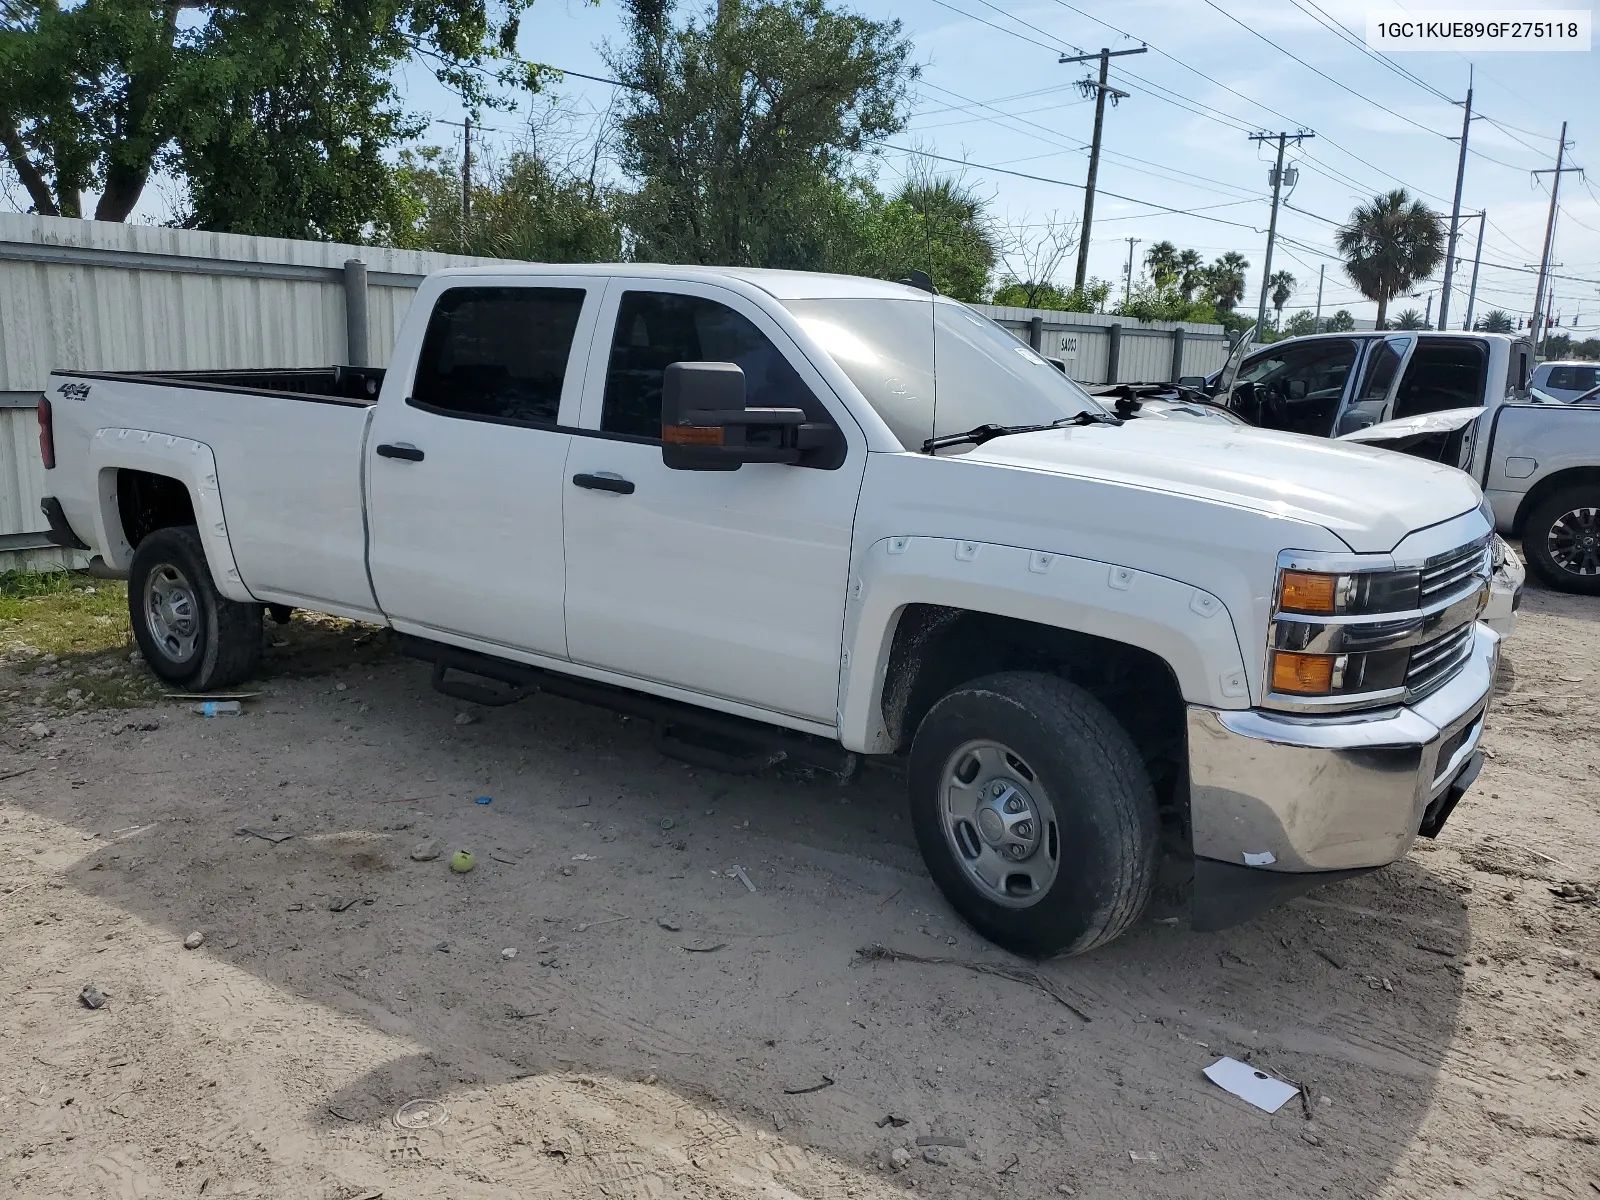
(1369,498)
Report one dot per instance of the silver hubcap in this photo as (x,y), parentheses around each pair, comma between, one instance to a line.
(998,820)
(170,613)
(1574,541)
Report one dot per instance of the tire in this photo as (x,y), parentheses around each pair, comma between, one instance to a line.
(192,636)
(1080,796)
(1554,536)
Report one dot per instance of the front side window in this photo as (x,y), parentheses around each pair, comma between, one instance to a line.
(1573,379)
(1299,386)
(498,353)
(656,329)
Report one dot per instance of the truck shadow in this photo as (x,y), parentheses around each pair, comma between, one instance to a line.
(658,1015)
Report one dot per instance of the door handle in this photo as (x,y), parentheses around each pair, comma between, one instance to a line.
(401,450)
(605,483)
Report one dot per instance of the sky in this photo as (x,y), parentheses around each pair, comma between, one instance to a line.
(1177,150)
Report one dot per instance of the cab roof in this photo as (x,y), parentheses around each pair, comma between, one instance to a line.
(782,285)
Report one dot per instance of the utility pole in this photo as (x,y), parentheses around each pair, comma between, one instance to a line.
(466,180)
(1550,226)
(1100,90)
(1272,226)
(1127,285)
(1322,271)
(1472,292)
(1427,317)
(1455,210)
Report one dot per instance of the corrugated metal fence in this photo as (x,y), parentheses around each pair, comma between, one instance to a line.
(98,296)
(1097,348)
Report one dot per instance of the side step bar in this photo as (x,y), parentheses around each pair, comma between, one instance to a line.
(699,736)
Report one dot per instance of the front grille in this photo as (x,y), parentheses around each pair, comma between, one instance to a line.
(1448,573)
(1434,663)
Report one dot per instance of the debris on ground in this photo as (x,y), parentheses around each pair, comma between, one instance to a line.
(421,1114)
(707,949)
(91,996)
(1143,1156)
(40,730)
(465,718)
(899,1158)
(443,947)
(267,835)
(425,851)
(1576,893)
(1016,974)
(194,940)
(668,924)
(739,874)
(1336,963)
(508,953)
(667,822)
(941,1139)
(461,862)
(339,905)
(1250,1085)
(889,1119)
(484,800)
(585,857)
(827,1082)
(931,1155)
(217,708)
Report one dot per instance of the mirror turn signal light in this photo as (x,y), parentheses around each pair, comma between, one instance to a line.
(692,435)
(1302,674)
(1307,592)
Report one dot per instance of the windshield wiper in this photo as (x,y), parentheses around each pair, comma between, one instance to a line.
(984,433)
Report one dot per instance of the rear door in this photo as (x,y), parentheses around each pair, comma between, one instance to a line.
(465,474)
(730,584)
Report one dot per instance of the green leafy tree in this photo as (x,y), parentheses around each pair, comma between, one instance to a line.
(1410,319)
(1496,320)
(521,209)
(1588,348)
(1299,324)
(1340,322)
(1190,267)
(263,106)
(740,118)
(1389,245)
(1161,260)
(934,225)
(1557,345)
(1279,288)
(1152,302)
(1223,281)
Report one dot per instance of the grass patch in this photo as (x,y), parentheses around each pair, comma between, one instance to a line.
(62,613)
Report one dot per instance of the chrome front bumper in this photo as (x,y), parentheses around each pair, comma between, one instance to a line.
(1295,794)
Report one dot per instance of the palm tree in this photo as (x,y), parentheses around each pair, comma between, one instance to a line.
(1224,279)
(1189,268)
(1282,285)
(1340,322)
(1389,246)
(1496,320)
(1410,319)
(1162,261)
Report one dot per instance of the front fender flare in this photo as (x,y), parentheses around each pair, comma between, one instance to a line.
(1188,628)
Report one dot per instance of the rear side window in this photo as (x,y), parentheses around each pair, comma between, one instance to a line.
(1573,379)
(498,354)
(1443,373)
(656,329)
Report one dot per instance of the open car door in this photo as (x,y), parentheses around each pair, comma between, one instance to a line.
(1446,436)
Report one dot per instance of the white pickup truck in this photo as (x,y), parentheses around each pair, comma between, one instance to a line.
(817,517)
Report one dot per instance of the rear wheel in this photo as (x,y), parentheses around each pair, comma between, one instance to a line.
(1034,813)
(192,636)
(1561,540)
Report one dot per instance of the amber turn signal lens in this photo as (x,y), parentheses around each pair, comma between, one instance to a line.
(1302,674)
(1303,591)
(692,435)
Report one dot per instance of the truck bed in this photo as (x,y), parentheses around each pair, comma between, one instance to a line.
(335,385)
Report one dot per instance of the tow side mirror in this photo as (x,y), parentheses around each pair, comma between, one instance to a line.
(705,425)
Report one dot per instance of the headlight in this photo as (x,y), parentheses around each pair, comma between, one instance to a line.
(1316,593)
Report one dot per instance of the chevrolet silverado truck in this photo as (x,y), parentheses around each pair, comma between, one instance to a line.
(1463,398)
(788,515)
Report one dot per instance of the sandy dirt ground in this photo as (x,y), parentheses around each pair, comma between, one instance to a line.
(663,1031)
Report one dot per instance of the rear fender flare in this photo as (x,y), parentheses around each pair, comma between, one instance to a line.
(189,462)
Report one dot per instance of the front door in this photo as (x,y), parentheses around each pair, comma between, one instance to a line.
(465,475)
(730,584)
(1369,404)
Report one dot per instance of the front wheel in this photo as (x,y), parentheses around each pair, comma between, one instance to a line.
(192,636)
(1034,813)
(1561,540)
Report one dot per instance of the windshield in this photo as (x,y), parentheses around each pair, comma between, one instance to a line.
(985,375)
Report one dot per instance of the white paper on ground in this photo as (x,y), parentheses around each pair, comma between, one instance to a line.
(1253,1086)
